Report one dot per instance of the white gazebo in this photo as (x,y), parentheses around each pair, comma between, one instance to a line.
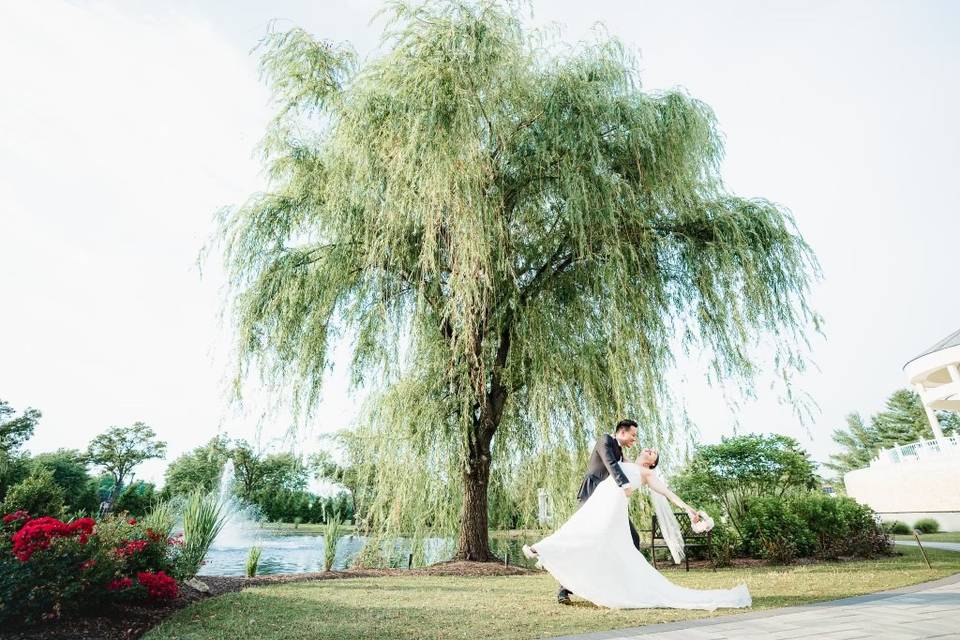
(935,375)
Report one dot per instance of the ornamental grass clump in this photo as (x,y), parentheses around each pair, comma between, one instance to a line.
(253,560)
(331,535)
(204,515)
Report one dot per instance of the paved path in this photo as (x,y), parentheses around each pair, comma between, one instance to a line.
(929,610)
(949,546)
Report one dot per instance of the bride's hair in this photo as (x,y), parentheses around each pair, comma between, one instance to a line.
(656,462)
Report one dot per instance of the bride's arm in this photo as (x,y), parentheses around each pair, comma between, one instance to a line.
(660,487)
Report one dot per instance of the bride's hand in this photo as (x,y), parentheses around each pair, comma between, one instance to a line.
(628,491)
(694,516)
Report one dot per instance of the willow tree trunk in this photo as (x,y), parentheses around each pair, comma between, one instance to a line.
(474,543)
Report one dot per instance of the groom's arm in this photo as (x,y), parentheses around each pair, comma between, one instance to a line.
(610,460)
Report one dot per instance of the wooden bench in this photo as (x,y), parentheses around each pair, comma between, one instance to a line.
(691,539)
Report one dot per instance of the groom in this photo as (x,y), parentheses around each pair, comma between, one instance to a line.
(603,463)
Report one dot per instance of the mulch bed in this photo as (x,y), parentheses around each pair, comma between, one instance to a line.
(128,621)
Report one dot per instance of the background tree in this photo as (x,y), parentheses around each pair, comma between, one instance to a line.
(137,499)
(348,475)
(200,468)
(14,432)
(247,469)
(37,494)
(120,449)
(904,421)
(68,469)
(729,474)
(517,237)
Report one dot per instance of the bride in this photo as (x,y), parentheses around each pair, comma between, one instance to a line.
(593,556)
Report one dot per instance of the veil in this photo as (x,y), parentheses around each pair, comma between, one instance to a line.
(669,526)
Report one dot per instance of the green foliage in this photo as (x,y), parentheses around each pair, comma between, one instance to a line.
(899,528)
(197,469)
(161,518)
(69,470)
(904,421)
(783,529)
(14,431)
(768,529)
(331,536)
(521,222)
(14,467)
(744,467)
(120,449)
(136,499)
(203,518)
(253,560)
(723,544)
(38,495)
(927,525)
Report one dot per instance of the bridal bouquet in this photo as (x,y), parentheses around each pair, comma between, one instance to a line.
(704,524)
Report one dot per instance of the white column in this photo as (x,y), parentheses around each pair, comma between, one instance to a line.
(954,372)
(931,416)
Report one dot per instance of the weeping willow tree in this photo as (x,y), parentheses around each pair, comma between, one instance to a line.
(517,240)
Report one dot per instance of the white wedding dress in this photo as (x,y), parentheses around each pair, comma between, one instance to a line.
(593,556)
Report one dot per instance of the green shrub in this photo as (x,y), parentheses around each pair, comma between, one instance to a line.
(723,540)
(927,525)
(864,536)
(37,494)
(782,529)
(772,531)
(899,528)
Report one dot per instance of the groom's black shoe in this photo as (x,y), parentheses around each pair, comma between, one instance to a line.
(563,596)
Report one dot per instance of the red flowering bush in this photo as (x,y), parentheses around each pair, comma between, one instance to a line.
(50,568)
(16,516)
(159,585)
(132,548)
(37,534)
(118,584)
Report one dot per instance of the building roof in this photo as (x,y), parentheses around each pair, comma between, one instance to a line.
(951,340)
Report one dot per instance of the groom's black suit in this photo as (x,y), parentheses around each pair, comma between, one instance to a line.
(603,462)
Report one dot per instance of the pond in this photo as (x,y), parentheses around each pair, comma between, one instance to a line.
(302,553)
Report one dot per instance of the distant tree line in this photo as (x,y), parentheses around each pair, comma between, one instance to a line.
(70,481)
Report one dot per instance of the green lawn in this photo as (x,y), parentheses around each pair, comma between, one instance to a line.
(508,607)
(934,537)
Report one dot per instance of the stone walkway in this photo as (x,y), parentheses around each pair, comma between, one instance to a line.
(948,546)
(928,610)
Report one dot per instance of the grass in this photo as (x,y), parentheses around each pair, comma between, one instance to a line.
(947,536)
(509,608)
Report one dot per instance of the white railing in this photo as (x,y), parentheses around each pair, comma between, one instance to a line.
(916,451)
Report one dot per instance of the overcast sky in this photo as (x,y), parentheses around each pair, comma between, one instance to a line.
(124,127)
